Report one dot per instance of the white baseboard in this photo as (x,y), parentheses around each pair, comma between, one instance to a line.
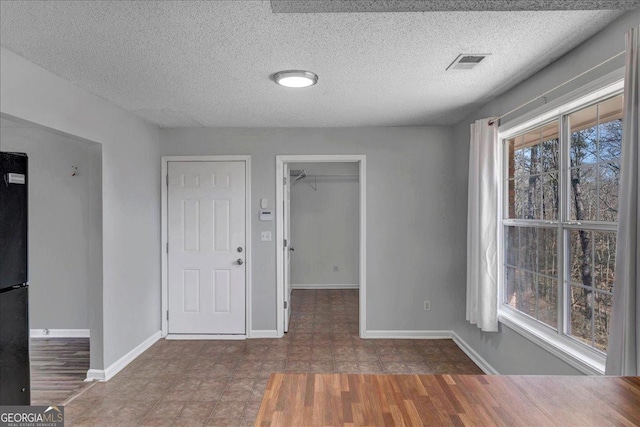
(326,286)
(204,337)
(473,355)
(264,334)
(430,335)
(120,364)
(59,333)
(417,335)
(96,375)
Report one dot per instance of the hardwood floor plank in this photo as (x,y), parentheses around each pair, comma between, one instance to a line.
(592,400)
(425,400)
(58,369)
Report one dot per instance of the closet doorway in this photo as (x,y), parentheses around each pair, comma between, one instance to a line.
(320,228)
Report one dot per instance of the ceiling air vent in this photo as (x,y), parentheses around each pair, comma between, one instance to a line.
(467,61)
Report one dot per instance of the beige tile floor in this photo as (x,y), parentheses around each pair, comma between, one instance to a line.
(185,383)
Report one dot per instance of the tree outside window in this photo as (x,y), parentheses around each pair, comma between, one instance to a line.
(541,227)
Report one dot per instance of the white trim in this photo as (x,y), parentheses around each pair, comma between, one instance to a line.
(577,355)
(323,158)
(437,335)
(411,335)
(268,333)
(120,364)
(59,333)
(95,375)
(327,286)
(585,361)
(165,237)
(363,245)
(473,355)
(602,87)
(205,337)
(279,247)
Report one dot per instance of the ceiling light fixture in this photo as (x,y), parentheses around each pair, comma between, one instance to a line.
(295,78)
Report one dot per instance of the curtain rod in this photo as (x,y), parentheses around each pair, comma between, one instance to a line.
(496,119)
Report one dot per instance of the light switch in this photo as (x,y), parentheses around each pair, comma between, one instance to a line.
(266,215)
(265,236)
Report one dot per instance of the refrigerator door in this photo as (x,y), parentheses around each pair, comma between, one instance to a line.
(13,219)
(15,377)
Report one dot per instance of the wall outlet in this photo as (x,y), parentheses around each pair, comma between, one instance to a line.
(427,305)
(265,236)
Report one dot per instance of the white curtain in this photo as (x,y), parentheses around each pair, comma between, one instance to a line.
(623,355)
(482,226)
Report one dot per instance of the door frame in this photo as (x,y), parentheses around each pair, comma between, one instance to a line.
(286,235)
(361,159)
(165,240)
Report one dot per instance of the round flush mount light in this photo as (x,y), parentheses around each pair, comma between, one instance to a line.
(295,78)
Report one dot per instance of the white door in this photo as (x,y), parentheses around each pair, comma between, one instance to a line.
(206,254)
(287,246)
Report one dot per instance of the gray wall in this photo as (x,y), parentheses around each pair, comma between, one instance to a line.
(416,205)
(410,197)
(325,221)
(508,351)
(125,311)
(64,214)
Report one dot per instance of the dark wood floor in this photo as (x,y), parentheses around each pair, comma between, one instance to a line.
(58,369)
(442,400)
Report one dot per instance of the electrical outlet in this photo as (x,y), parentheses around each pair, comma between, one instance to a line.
(265,236)
(427,305)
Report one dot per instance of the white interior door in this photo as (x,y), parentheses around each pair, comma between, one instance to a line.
(206,253)
(287,246)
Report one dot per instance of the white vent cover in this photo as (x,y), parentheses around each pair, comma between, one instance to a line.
(467,61)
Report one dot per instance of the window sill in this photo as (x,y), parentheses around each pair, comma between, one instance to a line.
(584,360)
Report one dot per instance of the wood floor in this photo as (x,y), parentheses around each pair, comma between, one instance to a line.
(58,369)
(441,400)
(325,375)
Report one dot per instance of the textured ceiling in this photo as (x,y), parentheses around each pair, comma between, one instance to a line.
(209,63)
(342,6)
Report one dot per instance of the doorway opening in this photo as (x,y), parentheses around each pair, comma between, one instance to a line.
(64,176)
(330,229)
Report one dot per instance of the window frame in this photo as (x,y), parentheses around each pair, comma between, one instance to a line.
(581,356)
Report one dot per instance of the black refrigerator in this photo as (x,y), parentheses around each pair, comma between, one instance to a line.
(14,292)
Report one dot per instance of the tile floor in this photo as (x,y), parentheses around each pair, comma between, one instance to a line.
(185,383)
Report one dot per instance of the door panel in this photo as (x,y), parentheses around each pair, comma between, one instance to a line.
(206,219)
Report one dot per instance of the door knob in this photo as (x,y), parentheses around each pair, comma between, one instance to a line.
(240,262)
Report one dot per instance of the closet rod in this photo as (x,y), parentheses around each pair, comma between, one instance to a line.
(333,176)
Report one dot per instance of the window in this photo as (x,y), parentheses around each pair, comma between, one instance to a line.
(561,180)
